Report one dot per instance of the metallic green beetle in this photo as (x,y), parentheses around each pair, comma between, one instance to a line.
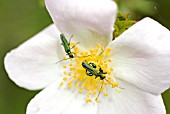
(91,70)
(66,46)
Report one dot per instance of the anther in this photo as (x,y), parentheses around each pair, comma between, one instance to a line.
(72,44)
(69,74)
(109,60)
(65,78)
(105,94)
(64,66)
(80,91)
(118,90)
(77,85)
(98,45)
(61,84)
(109,49)
(115,84)
(111,69)
(64,58)
(102,48)
(69,86)
(97,100)
(65,72)
(109,73)
(70,64)
(88,100)
(72,68)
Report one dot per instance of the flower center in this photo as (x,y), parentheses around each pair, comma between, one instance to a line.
(89,72)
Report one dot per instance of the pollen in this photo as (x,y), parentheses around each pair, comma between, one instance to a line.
(65,72)
(88,100)
(70,64)
(111,69)
(109,60)
(72,44)
(61,84)
(98,45)
(118,90)
(69,74)
(105,94)
(102,48)
(72,68)
(109,49)
(115,84)
(64,66)
(97,100)
(65,78)
(89,72)
(64,58)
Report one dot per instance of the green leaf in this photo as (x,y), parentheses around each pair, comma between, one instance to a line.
(121,26)
(121,16)
(122,23)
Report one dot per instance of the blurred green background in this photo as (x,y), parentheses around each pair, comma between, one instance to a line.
(21,19)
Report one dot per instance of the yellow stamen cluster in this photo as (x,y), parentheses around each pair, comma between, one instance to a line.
(77,77)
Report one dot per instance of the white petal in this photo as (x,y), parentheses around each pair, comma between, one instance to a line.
(85,19)
(131,100)
(32,64)
(141,56)
(60,100)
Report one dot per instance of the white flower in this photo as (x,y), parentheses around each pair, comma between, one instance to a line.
(140,58)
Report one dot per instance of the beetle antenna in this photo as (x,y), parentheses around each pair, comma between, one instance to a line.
(70,58)
(70,39)
(61,60)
